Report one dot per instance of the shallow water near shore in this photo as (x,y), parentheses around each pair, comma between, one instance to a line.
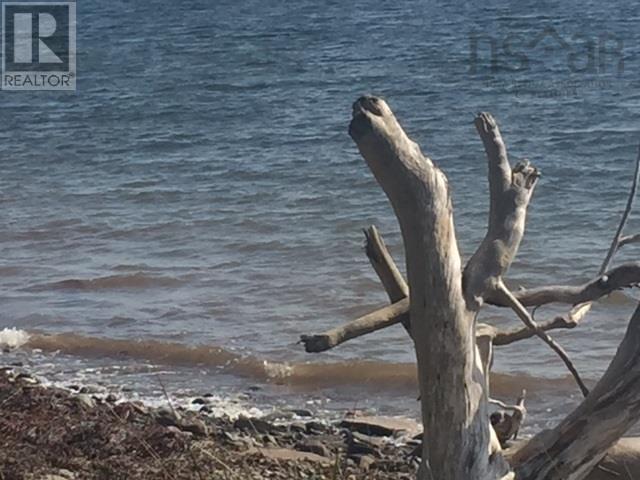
(197,204)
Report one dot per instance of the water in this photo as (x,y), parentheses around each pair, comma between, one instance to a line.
(200,188)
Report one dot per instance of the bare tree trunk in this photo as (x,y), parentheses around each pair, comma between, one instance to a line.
(452,381)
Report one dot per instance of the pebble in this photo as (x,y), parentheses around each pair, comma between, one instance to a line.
(197,427)
(301,412)
(166,418)
(86,400)
(315,427)
(89,389)
(61,475)
(313,446)
(26,378)
(366,461)
(269,440)
(253,425)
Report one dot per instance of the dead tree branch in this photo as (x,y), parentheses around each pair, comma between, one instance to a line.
(628,239)
(524,315)
(615,243)
(507,337)
(624,276)
(578,312)
(618,278)
(387,270)
(573,448)
(371,322)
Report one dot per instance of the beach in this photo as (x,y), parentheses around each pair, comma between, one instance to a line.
(77,433)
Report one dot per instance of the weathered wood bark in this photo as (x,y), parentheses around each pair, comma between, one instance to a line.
(452,383)
(573,448)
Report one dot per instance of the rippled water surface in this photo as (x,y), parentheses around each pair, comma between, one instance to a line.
(200,188)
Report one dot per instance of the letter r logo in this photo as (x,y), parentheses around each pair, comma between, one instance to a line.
(24,37)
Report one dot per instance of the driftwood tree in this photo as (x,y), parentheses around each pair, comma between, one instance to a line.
(439,308)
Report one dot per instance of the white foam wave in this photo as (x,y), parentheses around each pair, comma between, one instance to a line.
(13,338)
(277,370)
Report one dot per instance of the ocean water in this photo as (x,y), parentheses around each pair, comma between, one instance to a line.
(197,204)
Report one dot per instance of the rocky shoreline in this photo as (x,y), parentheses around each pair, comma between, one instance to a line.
(74,433)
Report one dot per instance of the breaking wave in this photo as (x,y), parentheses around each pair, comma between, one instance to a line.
(13,338)
(381,375)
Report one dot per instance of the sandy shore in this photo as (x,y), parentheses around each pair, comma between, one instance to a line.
(54,433)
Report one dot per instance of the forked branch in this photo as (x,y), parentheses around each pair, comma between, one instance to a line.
(510,193)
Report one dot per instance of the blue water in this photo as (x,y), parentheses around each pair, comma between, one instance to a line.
(200,186)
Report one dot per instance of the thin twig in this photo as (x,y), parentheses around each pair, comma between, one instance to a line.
(579,311)
(217,460)
(616,239)
(524,315)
